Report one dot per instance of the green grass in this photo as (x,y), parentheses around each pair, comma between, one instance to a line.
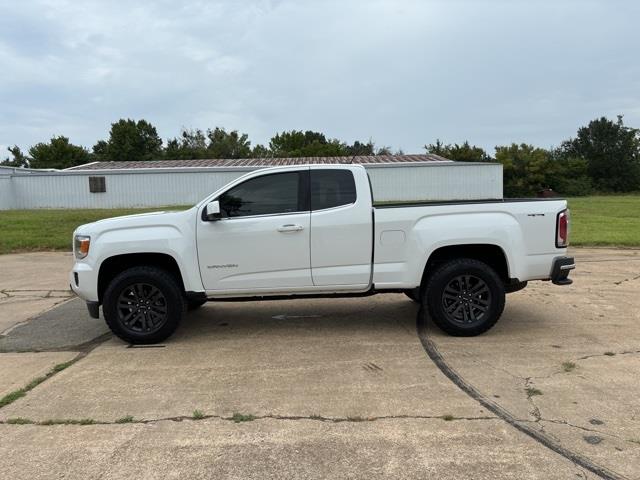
(239,418)
(568,366)
(68,421)
(198,415)
(532,392)
(20,421)
(61,366)
(127,419)
(607,220)
(16,394)
(38,230)
(12,397)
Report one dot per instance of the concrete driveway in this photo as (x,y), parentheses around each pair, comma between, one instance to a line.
(31,283)
(344,388)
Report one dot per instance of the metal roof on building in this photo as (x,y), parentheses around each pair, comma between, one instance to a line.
(261,162)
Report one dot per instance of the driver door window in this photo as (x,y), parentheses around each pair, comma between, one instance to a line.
(267,195)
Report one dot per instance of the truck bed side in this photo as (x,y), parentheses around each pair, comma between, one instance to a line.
(407,235)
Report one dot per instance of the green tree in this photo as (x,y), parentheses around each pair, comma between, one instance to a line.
(216,143)
(568,175)
(260,151)
(384,150)
(100,149)
(231,144)
(19,159)
(191,144)
(297,143)
(524,169)
(459,153)
(58,153)
(612,152)
(130,141)
(360,148)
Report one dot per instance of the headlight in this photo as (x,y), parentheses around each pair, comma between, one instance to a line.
(81,245)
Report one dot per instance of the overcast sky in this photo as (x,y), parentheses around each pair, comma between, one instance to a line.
(402,73)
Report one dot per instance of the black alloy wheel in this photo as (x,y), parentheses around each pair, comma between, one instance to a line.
(466,299)
(144,305)
(142,308)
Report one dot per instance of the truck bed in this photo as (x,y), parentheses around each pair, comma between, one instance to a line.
(524,229)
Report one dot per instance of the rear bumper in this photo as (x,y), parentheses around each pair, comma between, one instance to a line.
(560,270)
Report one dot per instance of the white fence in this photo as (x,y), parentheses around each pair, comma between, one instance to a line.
(187,186)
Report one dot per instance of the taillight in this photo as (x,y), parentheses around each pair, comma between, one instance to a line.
(562,229)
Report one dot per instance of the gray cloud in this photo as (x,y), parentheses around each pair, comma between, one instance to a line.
(401,72)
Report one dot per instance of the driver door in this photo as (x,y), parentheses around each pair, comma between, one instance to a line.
(261,241)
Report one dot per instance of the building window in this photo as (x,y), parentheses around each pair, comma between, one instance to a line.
(97,185)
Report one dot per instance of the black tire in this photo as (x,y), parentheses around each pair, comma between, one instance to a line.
(413,294)
(195,304)
(143,305)
(464,297)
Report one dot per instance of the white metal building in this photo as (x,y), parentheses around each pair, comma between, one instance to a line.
(185,182)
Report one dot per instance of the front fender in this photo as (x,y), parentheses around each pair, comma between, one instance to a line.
(163,239)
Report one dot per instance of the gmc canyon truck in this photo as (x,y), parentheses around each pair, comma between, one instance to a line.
(313,230)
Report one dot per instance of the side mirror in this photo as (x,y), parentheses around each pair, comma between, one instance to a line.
(212,211)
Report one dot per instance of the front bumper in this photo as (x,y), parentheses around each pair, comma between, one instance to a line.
(94,309)
(560,270)
(84,281)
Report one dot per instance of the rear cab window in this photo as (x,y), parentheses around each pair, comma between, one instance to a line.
(332,188)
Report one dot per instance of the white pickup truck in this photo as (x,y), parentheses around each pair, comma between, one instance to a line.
(314,230)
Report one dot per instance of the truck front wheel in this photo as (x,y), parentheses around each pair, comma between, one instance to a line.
(143,305)
(464,297)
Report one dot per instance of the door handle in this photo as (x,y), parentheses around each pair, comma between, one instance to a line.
(290,227)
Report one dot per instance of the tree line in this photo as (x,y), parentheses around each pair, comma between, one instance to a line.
(604,156)
(131,140)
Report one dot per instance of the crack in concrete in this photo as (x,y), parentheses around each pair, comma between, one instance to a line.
(13,293)
(535,410)
(183,418)
(610,354)
(604,260)
(579,427)
(630,279)
(519,377)
(83,350)
(537,433)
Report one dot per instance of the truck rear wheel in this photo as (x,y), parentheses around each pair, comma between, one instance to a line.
(143,305)
(464,297)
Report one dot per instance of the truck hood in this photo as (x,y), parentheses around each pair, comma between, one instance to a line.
(131,221)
